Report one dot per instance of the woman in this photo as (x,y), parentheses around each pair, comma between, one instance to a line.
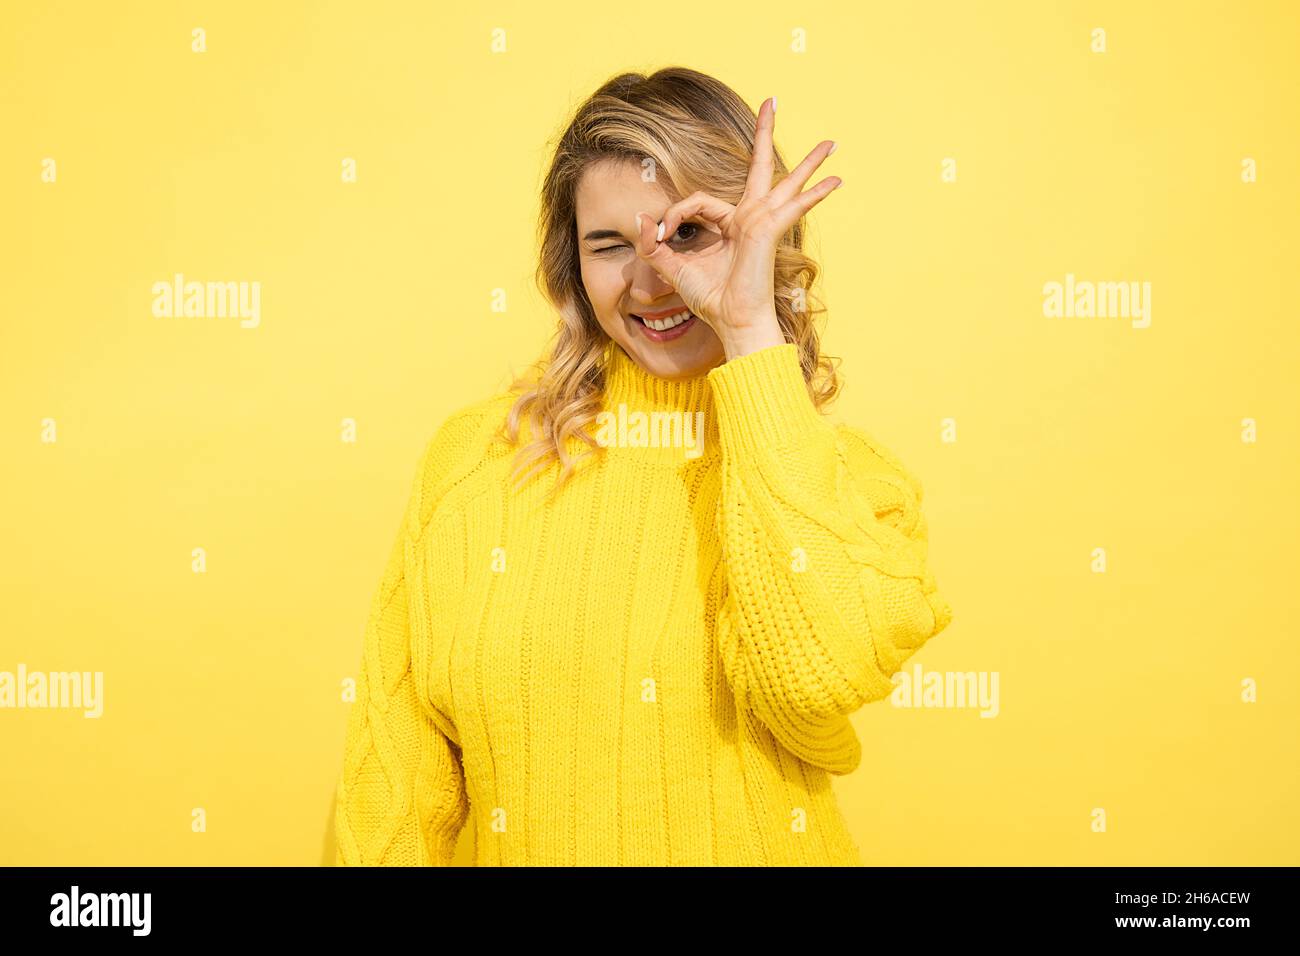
(645,648)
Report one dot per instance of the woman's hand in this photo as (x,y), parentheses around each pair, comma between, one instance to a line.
(728,281)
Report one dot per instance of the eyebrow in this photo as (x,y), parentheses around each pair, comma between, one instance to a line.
(602,234)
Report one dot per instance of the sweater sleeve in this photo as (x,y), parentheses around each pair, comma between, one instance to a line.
(401,800)
(824,547)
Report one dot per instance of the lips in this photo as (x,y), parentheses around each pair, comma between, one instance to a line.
(667,329)
(661,313)
(665,319)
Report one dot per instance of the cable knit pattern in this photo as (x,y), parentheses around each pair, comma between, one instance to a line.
(824,600)
(658,667)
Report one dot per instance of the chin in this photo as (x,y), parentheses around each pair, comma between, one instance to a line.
(688,361)
(676,360)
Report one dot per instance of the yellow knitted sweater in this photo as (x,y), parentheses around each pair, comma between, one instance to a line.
(657,666)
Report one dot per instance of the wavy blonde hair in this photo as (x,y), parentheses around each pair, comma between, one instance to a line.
(700,135)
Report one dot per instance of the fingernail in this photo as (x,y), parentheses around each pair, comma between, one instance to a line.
(834,147)
(638,224)
(659,236)
(774,104)
(839,184)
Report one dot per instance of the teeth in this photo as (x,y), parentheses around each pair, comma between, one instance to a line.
(663,325)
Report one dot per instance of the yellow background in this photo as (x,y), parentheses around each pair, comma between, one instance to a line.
(222,690)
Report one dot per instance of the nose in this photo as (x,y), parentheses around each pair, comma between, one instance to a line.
(648,286)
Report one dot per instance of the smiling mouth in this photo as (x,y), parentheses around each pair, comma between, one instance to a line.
(667,322)
(668,329)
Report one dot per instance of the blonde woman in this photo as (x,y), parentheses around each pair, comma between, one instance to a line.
(637,596)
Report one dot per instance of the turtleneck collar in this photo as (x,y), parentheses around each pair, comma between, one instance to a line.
(653,418)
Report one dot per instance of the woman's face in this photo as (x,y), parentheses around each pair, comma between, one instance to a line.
(621,285)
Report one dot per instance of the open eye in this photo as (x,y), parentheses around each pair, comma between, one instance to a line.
(692,230)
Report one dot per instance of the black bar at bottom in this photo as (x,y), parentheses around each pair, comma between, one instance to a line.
(367,906)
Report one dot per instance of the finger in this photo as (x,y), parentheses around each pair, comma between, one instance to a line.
(787,188)
(760,166)
(666,262)
(717,213)
(797,207)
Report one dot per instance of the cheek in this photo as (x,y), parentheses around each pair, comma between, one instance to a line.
(604,283)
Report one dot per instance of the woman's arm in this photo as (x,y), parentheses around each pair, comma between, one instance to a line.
(401,800)
(824,545)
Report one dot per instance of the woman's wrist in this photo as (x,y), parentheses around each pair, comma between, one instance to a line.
(750,336)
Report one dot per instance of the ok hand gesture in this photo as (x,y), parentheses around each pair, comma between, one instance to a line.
(729,283)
